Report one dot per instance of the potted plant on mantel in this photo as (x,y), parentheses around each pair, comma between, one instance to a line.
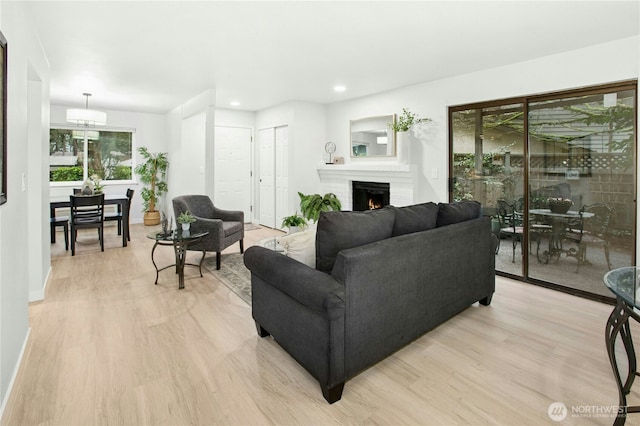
(401,126)
(153,173)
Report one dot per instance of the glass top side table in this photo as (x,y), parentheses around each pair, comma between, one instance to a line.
(624,283)
(180,240)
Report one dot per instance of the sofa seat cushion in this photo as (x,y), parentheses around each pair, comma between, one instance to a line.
(337,231)
(231,227)
(415,218)
(450,213)
(300,246)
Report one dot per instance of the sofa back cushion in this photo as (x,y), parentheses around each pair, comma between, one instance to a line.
(415,218)
(337,231)
(450,213)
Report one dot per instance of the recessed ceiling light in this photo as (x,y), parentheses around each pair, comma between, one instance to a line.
(339,89)
(235,103)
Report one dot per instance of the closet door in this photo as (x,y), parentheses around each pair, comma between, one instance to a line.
(232,171)
(282,174)
(266,143)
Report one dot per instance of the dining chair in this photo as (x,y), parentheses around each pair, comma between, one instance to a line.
(118,215)
(86,212)
(62,221)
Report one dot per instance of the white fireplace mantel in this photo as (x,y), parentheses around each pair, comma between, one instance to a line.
(402,180)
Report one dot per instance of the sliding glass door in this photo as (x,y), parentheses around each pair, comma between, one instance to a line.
(488,166)
(558,175)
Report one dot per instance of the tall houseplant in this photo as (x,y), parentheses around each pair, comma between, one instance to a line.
(153,173)
(312,205)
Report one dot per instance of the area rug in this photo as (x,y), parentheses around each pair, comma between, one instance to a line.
(232,274)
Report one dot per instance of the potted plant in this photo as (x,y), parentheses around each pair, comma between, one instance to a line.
(185,219)
(153,173)
(406,121)
(312,205)
(401,127)
(559,205)
(295,223)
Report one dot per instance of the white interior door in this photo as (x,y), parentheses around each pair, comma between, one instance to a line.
(232,170)
(266,146)
(282,173)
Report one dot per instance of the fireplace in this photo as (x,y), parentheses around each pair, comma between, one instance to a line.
(370,195)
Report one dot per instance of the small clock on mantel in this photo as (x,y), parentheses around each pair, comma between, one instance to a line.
(330,148)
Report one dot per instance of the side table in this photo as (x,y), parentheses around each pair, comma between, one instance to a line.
(180,240)
(624,283)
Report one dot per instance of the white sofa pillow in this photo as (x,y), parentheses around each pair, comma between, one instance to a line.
(300,246)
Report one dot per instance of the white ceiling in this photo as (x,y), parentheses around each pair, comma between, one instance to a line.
(153,56)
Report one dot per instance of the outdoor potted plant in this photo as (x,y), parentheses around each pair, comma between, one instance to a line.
(401,127)
(559,205)
(186,219)
(295,223)
(153,173)
(312,205)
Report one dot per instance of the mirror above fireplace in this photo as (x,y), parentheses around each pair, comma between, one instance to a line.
(372,137)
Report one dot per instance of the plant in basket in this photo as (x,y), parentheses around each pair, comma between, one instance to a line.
(559,205)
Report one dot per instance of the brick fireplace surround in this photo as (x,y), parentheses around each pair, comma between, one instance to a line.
(402,178)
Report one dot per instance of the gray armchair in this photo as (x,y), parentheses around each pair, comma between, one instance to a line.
(225,227)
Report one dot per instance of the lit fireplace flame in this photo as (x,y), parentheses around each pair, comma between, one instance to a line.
(373,204)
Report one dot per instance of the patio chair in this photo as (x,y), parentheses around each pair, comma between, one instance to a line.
(591,231)
(510,216)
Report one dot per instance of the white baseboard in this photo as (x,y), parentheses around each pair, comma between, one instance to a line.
(38,295)
(5,400)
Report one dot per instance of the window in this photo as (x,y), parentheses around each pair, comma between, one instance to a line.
(75,154)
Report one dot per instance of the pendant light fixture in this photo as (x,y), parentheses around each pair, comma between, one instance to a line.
(86,117)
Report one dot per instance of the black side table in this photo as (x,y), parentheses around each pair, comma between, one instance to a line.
(624,283)
(180,240)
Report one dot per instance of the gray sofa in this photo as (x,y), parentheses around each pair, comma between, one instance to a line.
(383,278)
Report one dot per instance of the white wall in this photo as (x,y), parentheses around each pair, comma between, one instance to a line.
(150,131)
(190,133)
(28,82)
(605,63)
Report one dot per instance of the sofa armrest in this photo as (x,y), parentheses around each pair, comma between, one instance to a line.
(314,289)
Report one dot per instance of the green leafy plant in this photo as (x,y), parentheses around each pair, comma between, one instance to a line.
(66,174)
(153,173)
(185,217)
(406,121)
(312,205)
(294,220)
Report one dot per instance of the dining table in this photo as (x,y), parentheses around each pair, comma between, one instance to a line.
(109,199)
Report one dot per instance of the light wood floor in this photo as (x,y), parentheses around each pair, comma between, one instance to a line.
(109,347)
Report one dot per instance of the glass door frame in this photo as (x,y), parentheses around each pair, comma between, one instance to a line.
(525,101)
